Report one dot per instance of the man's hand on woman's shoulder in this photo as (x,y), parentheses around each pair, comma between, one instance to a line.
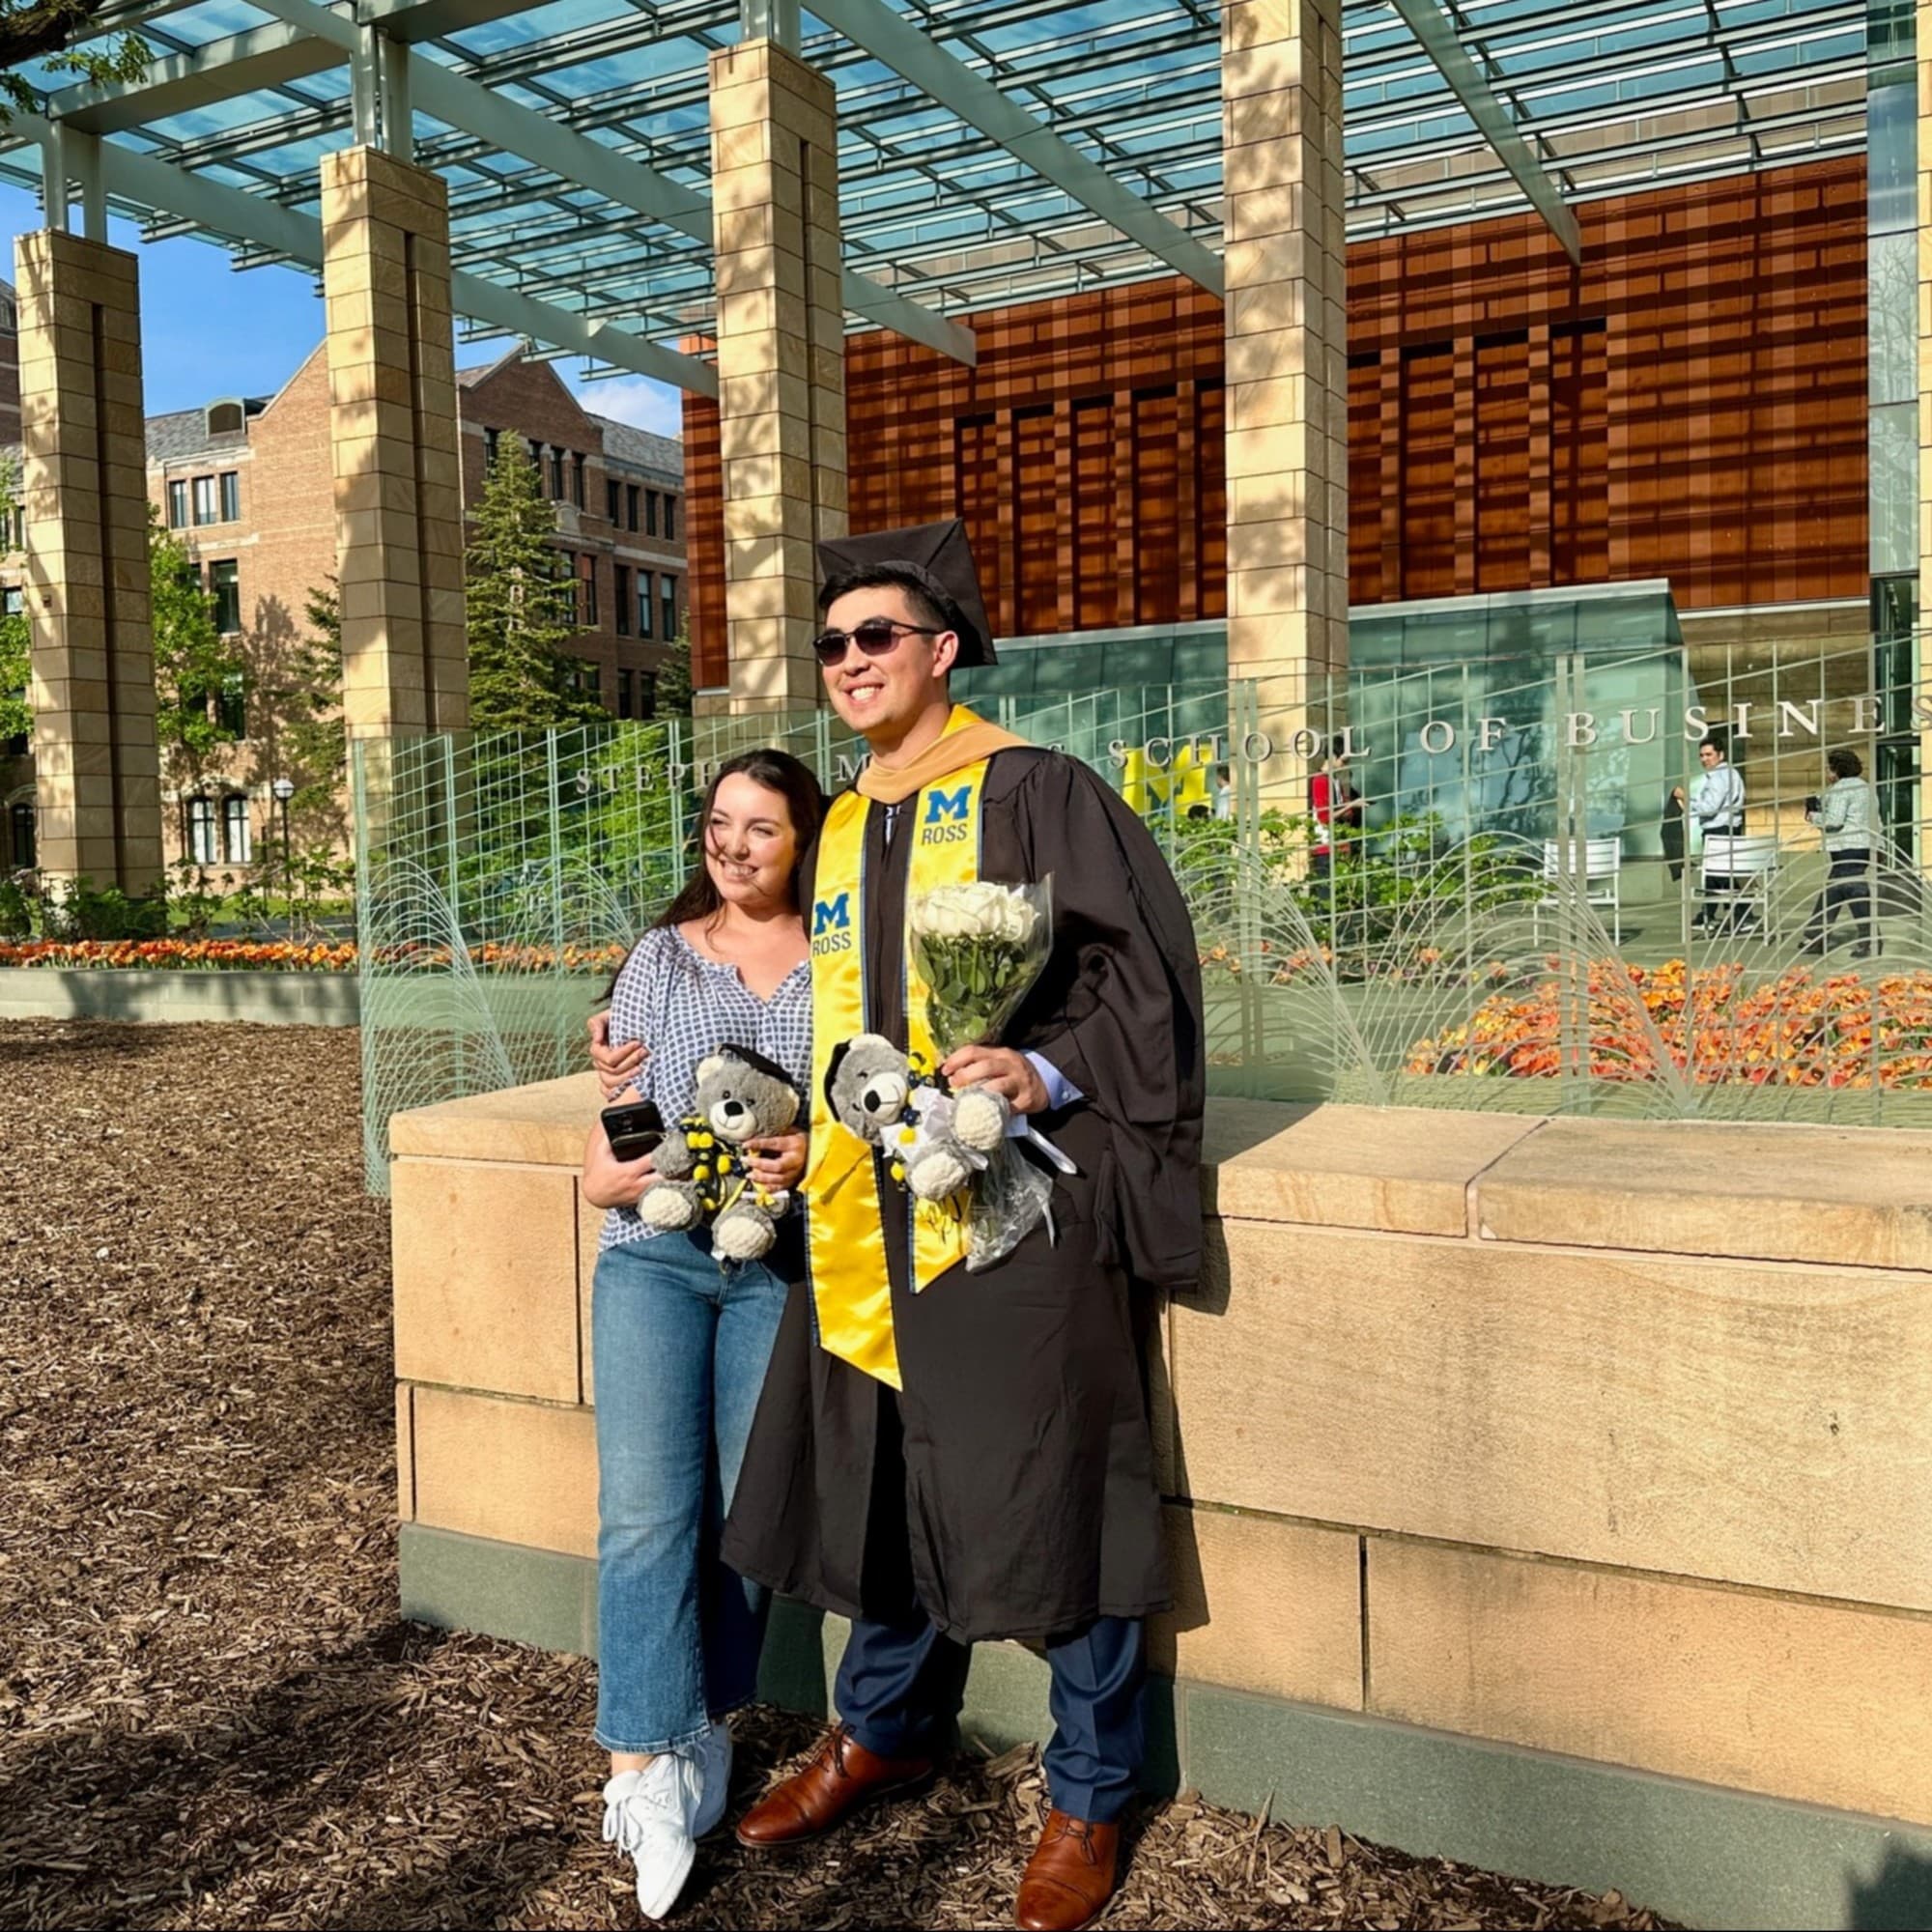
(616,1067)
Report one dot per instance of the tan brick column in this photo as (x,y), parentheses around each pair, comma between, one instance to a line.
(393,430)
(780,360)
(96,769)
(1286,340)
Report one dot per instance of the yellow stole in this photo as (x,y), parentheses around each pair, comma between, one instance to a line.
(846,1215)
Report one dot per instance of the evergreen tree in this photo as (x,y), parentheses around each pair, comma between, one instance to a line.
(673,678)
(313,734)
(197,671)
(520,608)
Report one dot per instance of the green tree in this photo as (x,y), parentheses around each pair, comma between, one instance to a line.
(313,734)
(57,34)
(195,667)
(520,608)
(673,685)
(16,714)
(17,711)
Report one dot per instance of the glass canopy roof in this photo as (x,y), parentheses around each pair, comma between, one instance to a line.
(1608,97)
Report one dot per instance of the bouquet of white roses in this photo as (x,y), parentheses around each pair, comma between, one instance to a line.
(978,948)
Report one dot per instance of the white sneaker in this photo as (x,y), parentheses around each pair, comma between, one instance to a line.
(649,1815)
(715,1767)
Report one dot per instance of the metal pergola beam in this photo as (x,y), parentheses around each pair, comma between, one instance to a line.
(248,217)
(888,37)
(1439,41)
(323,38)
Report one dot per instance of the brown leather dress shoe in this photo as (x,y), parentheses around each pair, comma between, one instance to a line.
(842,1775)
(1070,1876)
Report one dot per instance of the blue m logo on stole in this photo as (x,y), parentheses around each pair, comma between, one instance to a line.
(941,805)
(832,915)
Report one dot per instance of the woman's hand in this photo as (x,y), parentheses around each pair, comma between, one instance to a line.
(610,1183)
(617,1066)
(1001,1069)
(776,1162)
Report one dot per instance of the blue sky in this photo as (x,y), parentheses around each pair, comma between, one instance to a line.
(208,331)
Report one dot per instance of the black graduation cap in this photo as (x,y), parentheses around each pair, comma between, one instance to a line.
(940,558)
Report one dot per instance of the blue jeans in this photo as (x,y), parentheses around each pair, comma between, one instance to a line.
(679,1349)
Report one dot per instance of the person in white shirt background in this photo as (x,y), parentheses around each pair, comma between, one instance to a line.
(1716,807)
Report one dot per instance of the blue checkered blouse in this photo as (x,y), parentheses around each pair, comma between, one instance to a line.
(683,1007)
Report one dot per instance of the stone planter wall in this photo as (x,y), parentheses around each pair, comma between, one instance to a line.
(138,993)
(1547,1495)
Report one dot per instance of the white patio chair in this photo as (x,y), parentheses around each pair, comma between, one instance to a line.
(1603,881)
(1736,875)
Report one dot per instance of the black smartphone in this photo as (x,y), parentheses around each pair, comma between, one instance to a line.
(634,1129)
(1813,803)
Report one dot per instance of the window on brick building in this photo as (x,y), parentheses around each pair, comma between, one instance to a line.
(620,599)
(238,838)
(20,835)
(224,586)
(670,517)
(231,704)
(613,497)
(203,841)
(647,693)
(231,495)
(491,439)
(668,606)
(650,513)
(204,499)
(577,481)
(586,590)
(536,459)
(623,692)
(644,620)
(557,473)
(177,506)
(631,507)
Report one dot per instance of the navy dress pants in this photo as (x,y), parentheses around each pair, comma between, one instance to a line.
(900,1687)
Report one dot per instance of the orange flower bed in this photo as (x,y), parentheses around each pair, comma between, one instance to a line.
(183,954)
(1798,1030)
(491,956)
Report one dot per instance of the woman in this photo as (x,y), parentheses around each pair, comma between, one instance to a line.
(1848,817)
(681,1340)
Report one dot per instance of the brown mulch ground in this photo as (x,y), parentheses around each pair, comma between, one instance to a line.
(209,1714)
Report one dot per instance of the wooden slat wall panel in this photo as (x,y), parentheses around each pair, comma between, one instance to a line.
(1690,404)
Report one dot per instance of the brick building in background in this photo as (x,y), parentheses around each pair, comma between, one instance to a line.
(245,483)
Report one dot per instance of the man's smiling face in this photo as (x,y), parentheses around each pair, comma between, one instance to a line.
(882,696)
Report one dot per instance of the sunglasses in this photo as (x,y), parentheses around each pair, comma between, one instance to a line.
(875,638)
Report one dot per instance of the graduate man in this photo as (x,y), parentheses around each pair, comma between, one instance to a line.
(943,1456)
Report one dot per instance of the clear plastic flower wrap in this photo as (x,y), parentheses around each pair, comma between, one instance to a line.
(1008,1201)
(978,948)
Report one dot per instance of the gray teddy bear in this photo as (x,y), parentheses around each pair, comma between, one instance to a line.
(936,1141)
(741,1096)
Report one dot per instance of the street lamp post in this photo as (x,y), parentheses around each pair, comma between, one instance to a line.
(284,789)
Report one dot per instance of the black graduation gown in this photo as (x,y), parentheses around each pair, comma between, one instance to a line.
(1025,1503)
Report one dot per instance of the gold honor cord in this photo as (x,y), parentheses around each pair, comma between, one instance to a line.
(846,1216)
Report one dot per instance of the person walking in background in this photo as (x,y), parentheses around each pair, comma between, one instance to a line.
(681,1340)
(1847,816)
(1717,808)
(1336,810)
